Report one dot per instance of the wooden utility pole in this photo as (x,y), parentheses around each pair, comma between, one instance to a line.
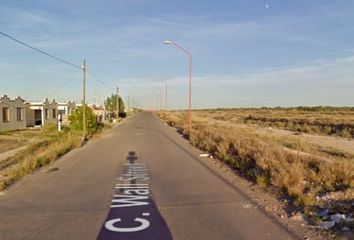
(117,102)
(84,101)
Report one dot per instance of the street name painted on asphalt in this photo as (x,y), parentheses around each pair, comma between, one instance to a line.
(133,214)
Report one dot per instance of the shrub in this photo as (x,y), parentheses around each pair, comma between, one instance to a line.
(76,120)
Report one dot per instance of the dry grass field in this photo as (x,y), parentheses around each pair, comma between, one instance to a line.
(43,146)
(7,144)
(308,175)
(315,120)
(10,140)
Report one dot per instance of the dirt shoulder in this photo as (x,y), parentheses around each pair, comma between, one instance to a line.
(277,208)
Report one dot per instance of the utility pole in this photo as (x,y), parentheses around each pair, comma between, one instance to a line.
(117,102)
(84,101)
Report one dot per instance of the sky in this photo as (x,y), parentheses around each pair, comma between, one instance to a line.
(246,53)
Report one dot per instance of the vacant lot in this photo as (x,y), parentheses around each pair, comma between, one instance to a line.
(309,175)
(239,118)
(7,144)
(10,140)
(43,146)
(315,120)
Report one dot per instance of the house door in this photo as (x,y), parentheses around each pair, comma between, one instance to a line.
(38,117)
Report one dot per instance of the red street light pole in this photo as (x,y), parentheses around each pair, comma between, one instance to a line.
(190,81)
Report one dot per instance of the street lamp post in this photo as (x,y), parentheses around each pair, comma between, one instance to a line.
(190,82)
(160,96)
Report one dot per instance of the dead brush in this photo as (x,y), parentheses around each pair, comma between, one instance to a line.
(265,161)
(333,121)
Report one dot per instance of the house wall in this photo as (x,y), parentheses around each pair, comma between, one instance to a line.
(50,118)
(30,121)
(42,107)
(13,123)
(66,109)
(101,115)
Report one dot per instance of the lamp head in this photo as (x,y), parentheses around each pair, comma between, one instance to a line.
(167,42)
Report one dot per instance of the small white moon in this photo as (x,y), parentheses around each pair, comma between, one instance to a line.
(267,6)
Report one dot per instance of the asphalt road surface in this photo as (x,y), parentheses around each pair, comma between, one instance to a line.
(142,180)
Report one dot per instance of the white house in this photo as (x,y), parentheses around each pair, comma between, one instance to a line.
(65,109)
(100,112)
(41,113)
(12,113)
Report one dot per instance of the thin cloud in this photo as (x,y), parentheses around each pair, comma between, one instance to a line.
(325,82)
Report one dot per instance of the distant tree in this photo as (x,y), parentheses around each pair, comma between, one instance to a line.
(76,120)
(111,105)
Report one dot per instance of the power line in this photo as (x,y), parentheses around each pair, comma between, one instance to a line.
(40,51)
(56,58)
(100,81)
(66,81)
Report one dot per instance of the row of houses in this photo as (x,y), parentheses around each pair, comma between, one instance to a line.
(19,114)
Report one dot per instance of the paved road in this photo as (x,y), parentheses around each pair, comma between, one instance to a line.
(140,181)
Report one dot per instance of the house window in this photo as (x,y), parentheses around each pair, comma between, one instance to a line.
(19,114)
(6,114)
(54,113)
(46,112)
